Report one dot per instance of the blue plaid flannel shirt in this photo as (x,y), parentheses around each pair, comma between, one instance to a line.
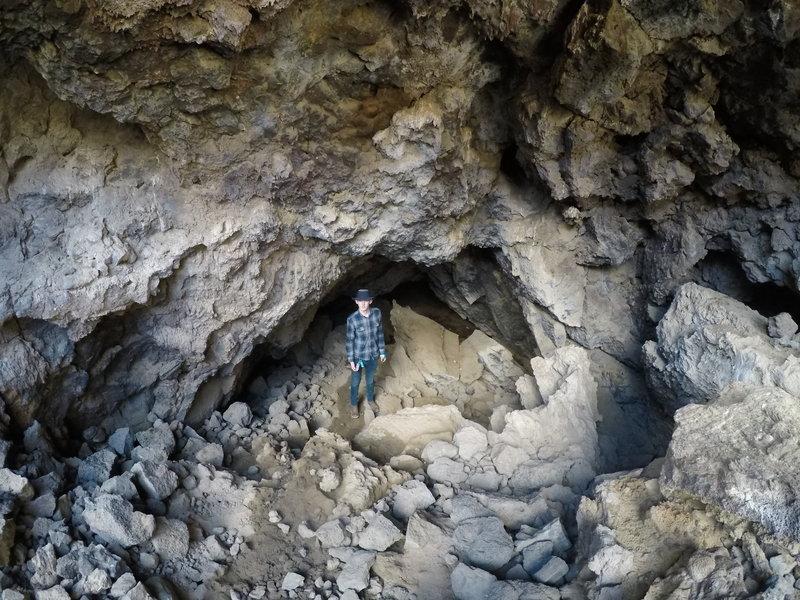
(364,338)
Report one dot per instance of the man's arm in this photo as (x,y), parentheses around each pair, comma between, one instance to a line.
(379,336)
(349,343)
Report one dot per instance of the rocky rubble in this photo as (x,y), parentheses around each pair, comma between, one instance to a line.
(244,506)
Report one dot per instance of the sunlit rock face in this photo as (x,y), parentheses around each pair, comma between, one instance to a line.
(183,184)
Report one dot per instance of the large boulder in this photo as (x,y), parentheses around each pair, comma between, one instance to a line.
(707,340)
(741,453)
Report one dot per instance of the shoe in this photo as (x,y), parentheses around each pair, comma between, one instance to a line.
(375,409)
(354,411)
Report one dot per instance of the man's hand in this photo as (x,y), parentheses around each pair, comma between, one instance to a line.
(354,366)
(383,358)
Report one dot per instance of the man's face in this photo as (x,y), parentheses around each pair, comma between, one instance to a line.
(363,305)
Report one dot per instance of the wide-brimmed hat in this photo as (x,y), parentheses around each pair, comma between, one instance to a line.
(362,294)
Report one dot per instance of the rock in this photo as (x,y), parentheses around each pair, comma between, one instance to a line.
(332,534)
(552,572)
(781,326)
(407,431)
(96,582)
(238,413)
(750,427)
(15,485)
(447,471)
(483,542)
(123,585)
(355,573)
(138,592)
(470,583)
(43,565)
(379,535)
(54,593)
(413,495)
(554,533)
(170,539)
(156,443)
(609,561)
(426,560)
(471,442)
(96,468)
(536,555)
(121,485)
(438,449)
(121,441)
(113,519)
(156,479)
(707,340)
(292,581)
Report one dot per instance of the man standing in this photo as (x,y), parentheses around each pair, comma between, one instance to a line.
(364,345)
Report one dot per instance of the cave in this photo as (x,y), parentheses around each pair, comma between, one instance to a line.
(580,223)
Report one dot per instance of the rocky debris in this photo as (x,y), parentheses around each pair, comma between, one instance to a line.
(751,427)
(707,340)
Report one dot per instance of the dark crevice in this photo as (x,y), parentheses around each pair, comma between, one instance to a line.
(722,272)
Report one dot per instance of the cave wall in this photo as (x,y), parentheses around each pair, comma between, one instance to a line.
(181,182)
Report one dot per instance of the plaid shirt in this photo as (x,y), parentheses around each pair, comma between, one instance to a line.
(364,336)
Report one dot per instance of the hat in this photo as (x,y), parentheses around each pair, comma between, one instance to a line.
(362,294)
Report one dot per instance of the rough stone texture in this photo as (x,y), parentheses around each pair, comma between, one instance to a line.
(114,520)
(184,184)
(736,453)
(483,542)
(706,341)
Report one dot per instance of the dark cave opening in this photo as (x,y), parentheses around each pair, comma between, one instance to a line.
(722,271)
(471,292)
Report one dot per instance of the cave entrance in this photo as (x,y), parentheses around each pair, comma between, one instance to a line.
(722,271)
(450,318)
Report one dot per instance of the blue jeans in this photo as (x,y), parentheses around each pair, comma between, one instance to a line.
(370,366)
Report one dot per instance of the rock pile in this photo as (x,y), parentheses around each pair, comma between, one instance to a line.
(263,500)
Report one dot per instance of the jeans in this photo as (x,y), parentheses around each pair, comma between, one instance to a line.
(369,368)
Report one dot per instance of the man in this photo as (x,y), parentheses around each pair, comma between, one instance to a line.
(364,346)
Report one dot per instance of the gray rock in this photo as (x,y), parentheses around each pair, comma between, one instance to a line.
(292,581)
(121,441)
(332,534)
(413,495)
(156,479)
(536,555)
(379,534)
(43,506)
(554,533)
(238,413)
(15,485)
(170,539)
(355,573)
(552,572)
(706,341)
(123,585)
(522,590)
(113,519)
(781,326)
(96,468)
(43,565)
(54,593)
(469,583)
(483,542)
(96,582)
(446,470)
(156,443)
(752,427)
(121,485)
(138,592)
